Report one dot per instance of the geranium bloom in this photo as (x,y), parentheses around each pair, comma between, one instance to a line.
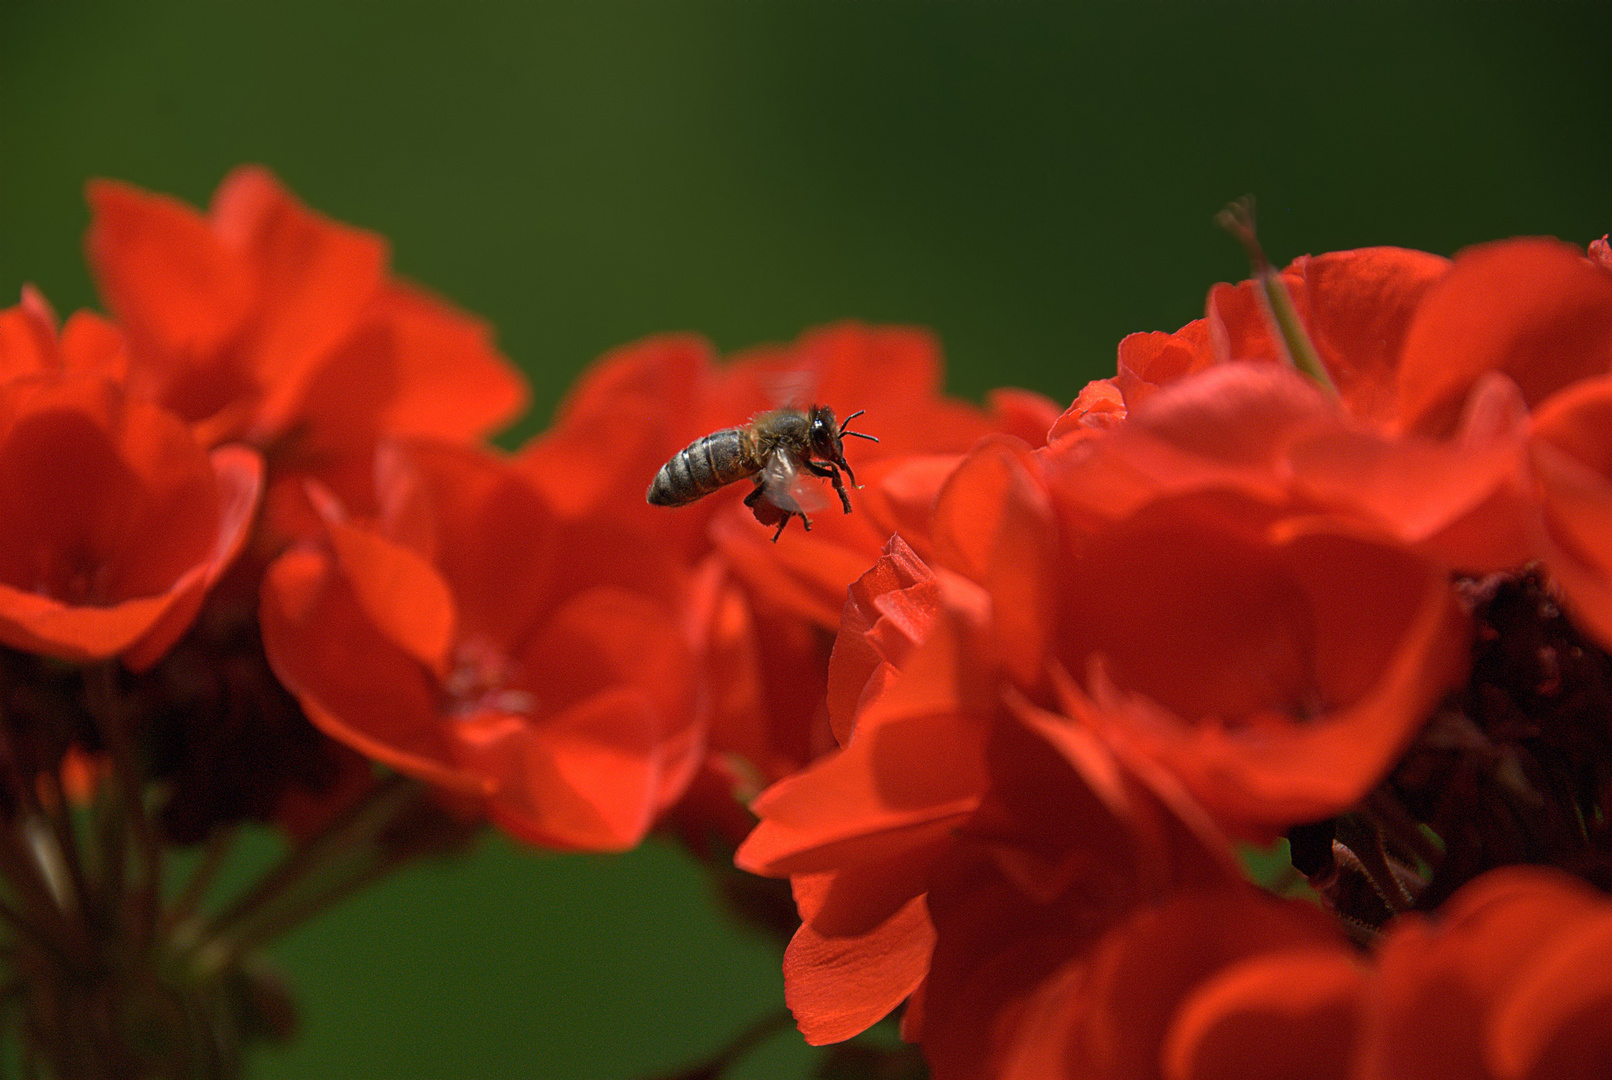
(761,614)
(1465,421)
(649,400)
(1219,645)
(1235,584)
(1507,980)
(457,638)
(30,344)
(117,521)
(267,323)
(1002,865)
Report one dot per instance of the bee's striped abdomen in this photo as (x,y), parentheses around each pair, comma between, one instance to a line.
(701,467)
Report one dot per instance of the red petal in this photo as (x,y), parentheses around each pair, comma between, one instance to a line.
(401,594)
(1552,1022)
(585,779)
(1533,309)
(451,382)
(27,341)
(240,486)
(1290,1013)
(839,986)
(888,612)
(1572,459)
(1466,499)
(164,273)
(40,624)
(311,276)
(1358,307)
(354,684)
(898,784)
(1436,981)
(994,523)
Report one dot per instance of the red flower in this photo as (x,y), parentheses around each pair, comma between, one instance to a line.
(1355,305)
(1220,601)
(1210,650)
(267,323)
(1276,660)
(1439,365)
(1279,672)
(763,613)
(1507,980)
(1536,311)
(457,640)
(858,832)
(118,523)
(30,345)
(1295,1009)
(998,864)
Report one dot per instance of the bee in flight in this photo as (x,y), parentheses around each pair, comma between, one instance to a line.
(773,450)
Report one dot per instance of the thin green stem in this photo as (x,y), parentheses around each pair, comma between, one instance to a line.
(742,1045)
(129,779)
(1286,326)
(358,826)
(213,857)
(298,909)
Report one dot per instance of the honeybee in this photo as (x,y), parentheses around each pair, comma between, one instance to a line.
(773,450)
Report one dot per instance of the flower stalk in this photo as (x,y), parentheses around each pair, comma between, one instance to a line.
(310,877)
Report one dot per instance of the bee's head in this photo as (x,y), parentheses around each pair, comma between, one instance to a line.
(824,435)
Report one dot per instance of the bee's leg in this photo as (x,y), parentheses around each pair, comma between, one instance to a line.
(830,470)
(806,523)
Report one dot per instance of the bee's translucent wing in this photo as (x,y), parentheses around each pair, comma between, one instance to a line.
(788,486)
(794,387)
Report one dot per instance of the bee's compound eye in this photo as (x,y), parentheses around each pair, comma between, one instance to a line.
(822,431)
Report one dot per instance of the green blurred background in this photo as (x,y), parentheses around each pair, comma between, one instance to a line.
(1031,180)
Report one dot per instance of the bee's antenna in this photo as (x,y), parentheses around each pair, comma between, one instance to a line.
(859,434)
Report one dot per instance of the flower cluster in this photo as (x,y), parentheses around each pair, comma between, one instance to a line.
(1321,581)
(1364,609)
(259,564)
